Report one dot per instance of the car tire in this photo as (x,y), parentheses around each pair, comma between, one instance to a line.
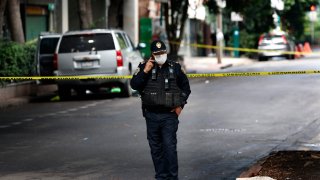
(126,90)
(64,92)
(262,58)
(290,57)
(81,92)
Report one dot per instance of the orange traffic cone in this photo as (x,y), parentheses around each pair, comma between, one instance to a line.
(307,48)
(297,53)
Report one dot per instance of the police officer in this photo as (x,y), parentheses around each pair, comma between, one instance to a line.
(164,90)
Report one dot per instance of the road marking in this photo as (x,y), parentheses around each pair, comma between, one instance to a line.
(73,109)
(51,114)
(222,130)
(16,123)
(27,120)
(2,127)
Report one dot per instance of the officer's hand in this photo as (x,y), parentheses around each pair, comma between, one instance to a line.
(177,110)
(149,65)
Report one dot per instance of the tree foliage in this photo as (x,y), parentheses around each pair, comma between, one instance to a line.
(293,16)
(15,22)
(258,17)
(85,14)
(3,4)
(17,59)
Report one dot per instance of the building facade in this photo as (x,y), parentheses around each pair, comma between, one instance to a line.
(63,15)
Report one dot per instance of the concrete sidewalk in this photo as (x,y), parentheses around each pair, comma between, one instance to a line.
(209,64)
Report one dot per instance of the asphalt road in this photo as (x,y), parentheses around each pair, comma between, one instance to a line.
(228,124)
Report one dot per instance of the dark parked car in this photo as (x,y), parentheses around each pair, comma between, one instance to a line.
(47,43)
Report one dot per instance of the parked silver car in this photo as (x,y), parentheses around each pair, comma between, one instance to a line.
(277,44)
(92,53)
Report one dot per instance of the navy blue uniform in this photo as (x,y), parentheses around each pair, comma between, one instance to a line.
(162,124)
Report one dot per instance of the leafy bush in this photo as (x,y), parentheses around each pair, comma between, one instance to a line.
(246,41)
(17,59)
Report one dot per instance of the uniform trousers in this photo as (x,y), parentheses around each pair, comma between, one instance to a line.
(162,136)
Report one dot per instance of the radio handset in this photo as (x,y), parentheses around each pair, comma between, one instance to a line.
(154,69)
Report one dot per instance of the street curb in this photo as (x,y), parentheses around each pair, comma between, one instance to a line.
(14,102)
(16,95)
(226,66)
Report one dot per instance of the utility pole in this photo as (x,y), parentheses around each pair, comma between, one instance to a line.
(221,4)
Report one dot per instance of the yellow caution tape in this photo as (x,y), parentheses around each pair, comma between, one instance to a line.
(242,49)
(227,74)
(64,77)
(232,74)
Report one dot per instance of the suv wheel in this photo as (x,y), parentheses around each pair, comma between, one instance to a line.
(126,90)
(263,58)
(64,92)
(81,92)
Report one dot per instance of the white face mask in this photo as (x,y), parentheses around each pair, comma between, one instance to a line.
(161,59)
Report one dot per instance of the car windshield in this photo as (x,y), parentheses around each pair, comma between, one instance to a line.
(86,42)
(48,45)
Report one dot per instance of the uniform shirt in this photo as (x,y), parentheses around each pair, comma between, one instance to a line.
(140,79)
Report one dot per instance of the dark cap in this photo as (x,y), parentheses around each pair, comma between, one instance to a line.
(158,46)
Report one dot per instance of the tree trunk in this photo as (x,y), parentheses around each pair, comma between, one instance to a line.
(89,13)
(175,22)
(15,22)
(2,10)
(115,17)
(85,14)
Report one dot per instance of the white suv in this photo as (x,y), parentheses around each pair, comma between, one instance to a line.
(273,45)
(92,53)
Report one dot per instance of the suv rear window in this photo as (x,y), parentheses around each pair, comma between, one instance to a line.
(273,39)
(86,42)
(48,45)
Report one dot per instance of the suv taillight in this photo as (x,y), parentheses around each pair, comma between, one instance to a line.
(260,39)
(119,59)
(55,61)
(285,39)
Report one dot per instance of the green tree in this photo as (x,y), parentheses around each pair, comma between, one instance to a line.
(85,14)
(15,22)
(293,16)
(257,16)
(3,4)
(175,21)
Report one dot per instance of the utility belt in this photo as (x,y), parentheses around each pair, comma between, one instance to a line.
(164,99)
